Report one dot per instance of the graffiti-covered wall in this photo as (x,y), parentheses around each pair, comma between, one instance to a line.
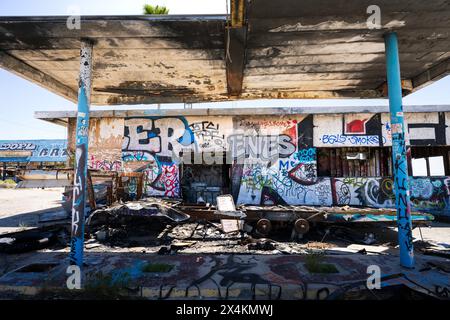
(429,194)
(274,158)
(153,145)
(105,144)
(290,176)
(373,130)
(33,150)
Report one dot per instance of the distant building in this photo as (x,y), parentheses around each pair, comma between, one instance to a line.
(31,154)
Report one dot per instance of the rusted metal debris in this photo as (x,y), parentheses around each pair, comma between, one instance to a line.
(149,208)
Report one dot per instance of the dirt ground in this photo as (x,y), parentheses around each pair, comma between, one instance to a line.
(23,208)
(123,238)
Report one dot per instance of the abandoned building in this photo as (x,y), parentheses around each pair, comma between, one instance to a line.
(18,155)
(323,158)
(372,157)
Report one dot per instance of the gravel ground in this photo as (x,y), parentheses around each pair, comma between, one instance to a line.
(22,208)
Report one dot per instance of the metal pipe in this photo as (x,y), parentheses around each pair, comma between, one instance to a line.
(400,169)
(81,150)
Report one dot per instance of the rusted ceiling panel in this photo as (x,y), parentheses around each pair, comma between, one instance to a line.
(139,59)
(326,46)
(291,49)
(295,8)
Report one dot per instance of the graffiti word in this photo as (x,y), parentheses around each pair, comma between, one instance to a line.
(260,147)
(17,146)
(304,173)
(306,155)
(353,140)
(53,152)
(256,125)
(130,156)
(162,136)
(207,134)
(105,165)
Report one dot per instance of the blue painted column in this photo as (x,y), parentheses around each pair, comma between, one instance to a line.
(400,164)
(81,155)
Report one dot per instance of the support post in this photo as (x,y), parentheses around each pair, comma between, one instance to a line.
(4,171)
(400,164)
(81,155)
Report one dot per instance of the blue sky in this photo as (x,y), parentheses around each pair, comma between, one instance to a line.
(20,98)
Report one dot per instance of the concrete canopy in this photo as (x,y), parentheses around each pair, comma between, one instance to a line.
(275,49)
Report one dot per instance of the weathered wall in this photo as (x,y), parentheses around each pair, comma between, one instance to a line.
(105,144)
(428,194)
(354,130)
(151,145)
(33,150)
(284,179)
(348,130)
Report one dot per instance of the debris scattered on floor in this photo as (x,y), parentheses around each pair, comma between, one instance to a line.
(262,244)
(32,239)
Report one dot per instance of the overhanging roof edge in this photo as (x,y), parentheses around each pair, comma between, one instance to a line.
(55,116)
(169,17)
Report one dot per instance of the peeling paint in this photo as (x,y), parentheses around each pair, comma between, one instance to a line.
(333,25)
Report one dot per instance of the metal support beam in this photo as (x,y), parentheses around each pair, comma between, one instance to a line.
(400,164)
(81,154)
(236,43)
(237,12)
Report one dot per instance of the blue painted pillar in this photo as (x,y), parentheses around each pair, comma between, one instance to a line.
(400,164)
(81,155)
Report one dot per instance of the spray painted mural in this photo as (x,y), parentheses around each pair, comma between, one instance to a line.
(33,150)
(289,176)
(105,144)
(155,145)
(292,178)
(373,130)
(428,194)
(349,130)
(274,158)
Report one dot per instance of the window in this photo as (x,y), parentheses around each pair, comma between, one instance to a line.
(430,166)
(429,161)
(419,167)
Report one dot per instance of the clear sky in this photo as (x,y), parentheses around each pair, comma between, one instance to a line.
(20,98)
